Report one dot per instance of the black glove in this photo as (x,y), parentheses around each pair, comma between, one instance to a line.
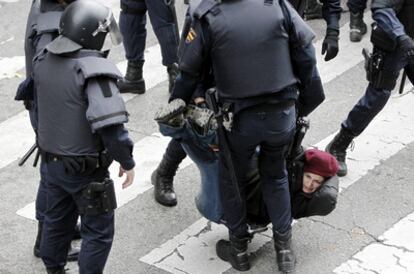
(406,44)
(330,44)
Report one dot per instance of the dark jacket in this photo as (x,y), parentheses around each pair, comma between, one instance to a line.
(321,202)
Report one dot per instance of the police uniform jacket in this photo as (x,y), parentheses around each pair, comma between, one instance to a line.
(244,66)
(397,11)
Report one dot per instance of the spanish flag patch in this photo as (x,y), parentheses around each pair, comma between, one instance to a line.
(190,36)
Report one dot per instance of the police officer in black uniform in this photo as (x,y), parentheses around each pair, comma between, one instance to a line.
(132,22)
(392,38)
(255,78)
(41,28)
(80,131)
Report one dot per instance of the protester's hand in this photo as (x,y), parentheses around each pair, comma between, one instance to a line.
(130,174)
(406,44)
(330,44)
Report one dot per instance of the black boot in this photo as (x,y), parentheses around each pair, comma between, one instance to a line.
(357,26)
(172,75)
(284,253)
(56,271)
(162,179)
(73,253)
(337,147)
(133,81)
(234,252)
(313,10)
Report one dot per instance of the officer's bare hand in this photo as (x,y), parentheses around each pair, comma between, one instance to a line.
(130,174)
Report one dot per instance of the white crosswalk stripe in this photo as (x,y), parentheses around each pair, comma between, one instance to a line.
(192,249)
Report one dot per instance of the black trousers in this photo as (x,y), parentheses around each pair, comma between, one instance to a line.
(270,130)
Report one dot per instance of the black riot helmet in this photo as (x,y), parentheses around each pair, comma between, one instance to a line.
(85,24)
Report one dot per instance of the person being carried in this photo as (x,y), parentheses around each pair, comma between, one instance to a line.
(313,183)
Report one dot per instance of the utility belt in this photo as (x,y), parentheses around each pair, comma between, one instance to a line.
(80,164)
(97,198)
(269,107)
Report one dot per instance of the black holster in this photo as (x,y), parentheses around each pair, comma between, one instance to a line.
(376,75)
(97,198)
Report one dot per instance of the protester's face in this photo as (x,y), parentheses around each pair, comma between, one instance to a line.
(311,182)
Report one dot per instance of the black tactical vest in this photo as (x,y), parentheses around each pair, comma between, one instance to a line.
(406,16)
(62,104)
(250,48)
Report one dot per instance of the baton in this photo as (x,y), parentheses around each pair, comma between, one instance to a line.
(302,126)
(27,155)
(212,102)
(404,77)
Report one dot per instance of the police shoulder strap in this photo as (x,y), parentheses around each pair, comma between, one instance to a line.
(207,6)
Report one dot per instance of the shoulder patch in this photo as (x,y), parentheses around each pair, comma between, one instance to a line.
(190,36)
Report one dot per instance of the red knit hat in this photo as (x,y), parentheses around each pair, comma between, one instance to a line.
(321,163)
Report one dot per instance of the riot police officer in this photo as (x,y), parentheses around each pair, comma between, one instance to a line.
(393,50)
(256,85)
(132,22)
(41,28)
(80,130)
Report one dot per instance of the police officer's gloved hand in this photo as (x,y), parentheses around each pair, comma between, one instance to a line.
(406,44)
(330,44)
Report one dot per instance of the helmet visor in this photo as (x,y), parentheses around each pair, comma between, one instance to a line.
(110,25)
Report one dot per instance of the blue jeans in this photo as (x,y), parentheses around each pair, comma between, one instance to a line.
(374,100)
(134,32)
(61,214)
(196,146)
